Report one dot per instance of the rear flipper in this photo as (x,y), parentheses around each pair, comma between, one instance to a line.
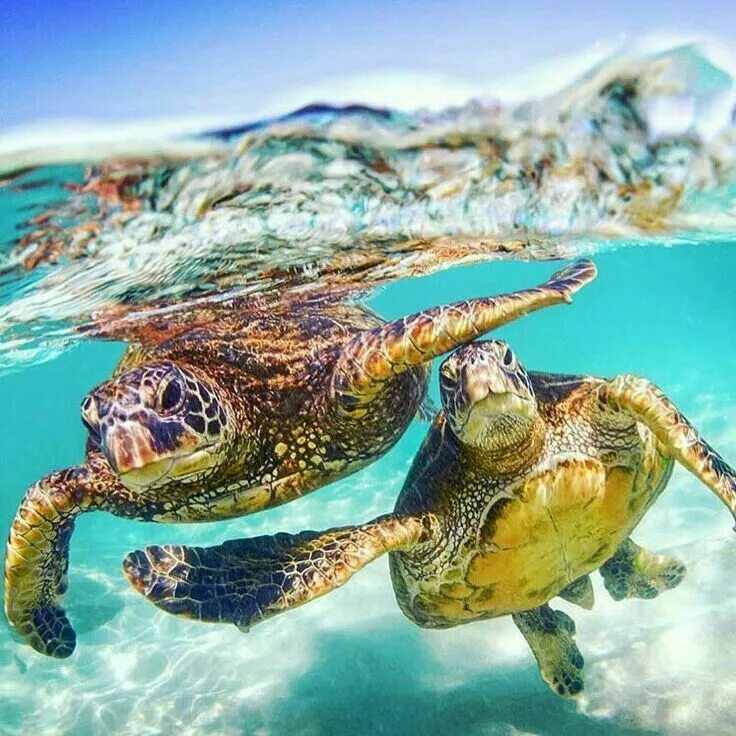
(550,634)
(634,572)
(247,581)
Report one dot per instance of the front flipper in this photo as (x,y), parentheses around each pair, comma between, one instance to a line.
(580,592)
(246,581)
(550,634)
(37,555)
(634,572)
(373,357)
(643,402)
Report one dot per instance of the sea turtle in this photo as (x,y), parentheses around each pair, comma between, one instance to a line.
(236,408)
(525,484)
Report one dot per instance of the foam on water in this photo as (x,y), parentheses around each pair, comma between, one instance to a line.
(349,663)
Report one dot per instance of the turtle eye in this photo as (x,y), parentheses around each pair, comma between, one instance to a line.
(508,357)
(171,396)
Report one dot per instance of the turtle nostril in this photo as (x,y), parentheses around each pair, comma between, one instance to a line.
(508,357)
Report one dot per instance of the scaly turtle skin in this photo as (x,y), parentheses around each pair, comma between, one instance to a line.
(525,484)
(227,411)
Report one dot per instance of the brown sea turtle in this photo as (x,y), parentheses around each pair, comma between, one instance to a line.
(525,484)
(232,409)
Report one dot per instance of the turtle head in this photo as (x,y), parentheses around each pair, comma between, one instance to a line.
(157,424)
(487,396)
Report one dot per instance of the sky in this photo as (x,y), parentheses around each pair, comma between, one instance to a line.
(122,61)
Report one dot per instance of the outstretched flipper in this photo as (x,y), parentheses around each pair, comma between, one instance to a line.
(37,555)
(373,357)
(550,635)
(634,572)
(246,581)
(646,403)
(580,592)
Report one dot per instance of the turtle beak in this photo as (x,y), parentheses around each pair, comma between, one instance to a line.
(128,447)
(135,453)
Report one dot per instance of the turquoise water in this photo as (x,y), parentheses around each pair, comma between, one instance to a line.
(350,663)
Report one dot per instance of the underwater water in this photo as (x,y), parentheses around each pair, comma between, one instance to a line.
(633,164)
(350,663)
